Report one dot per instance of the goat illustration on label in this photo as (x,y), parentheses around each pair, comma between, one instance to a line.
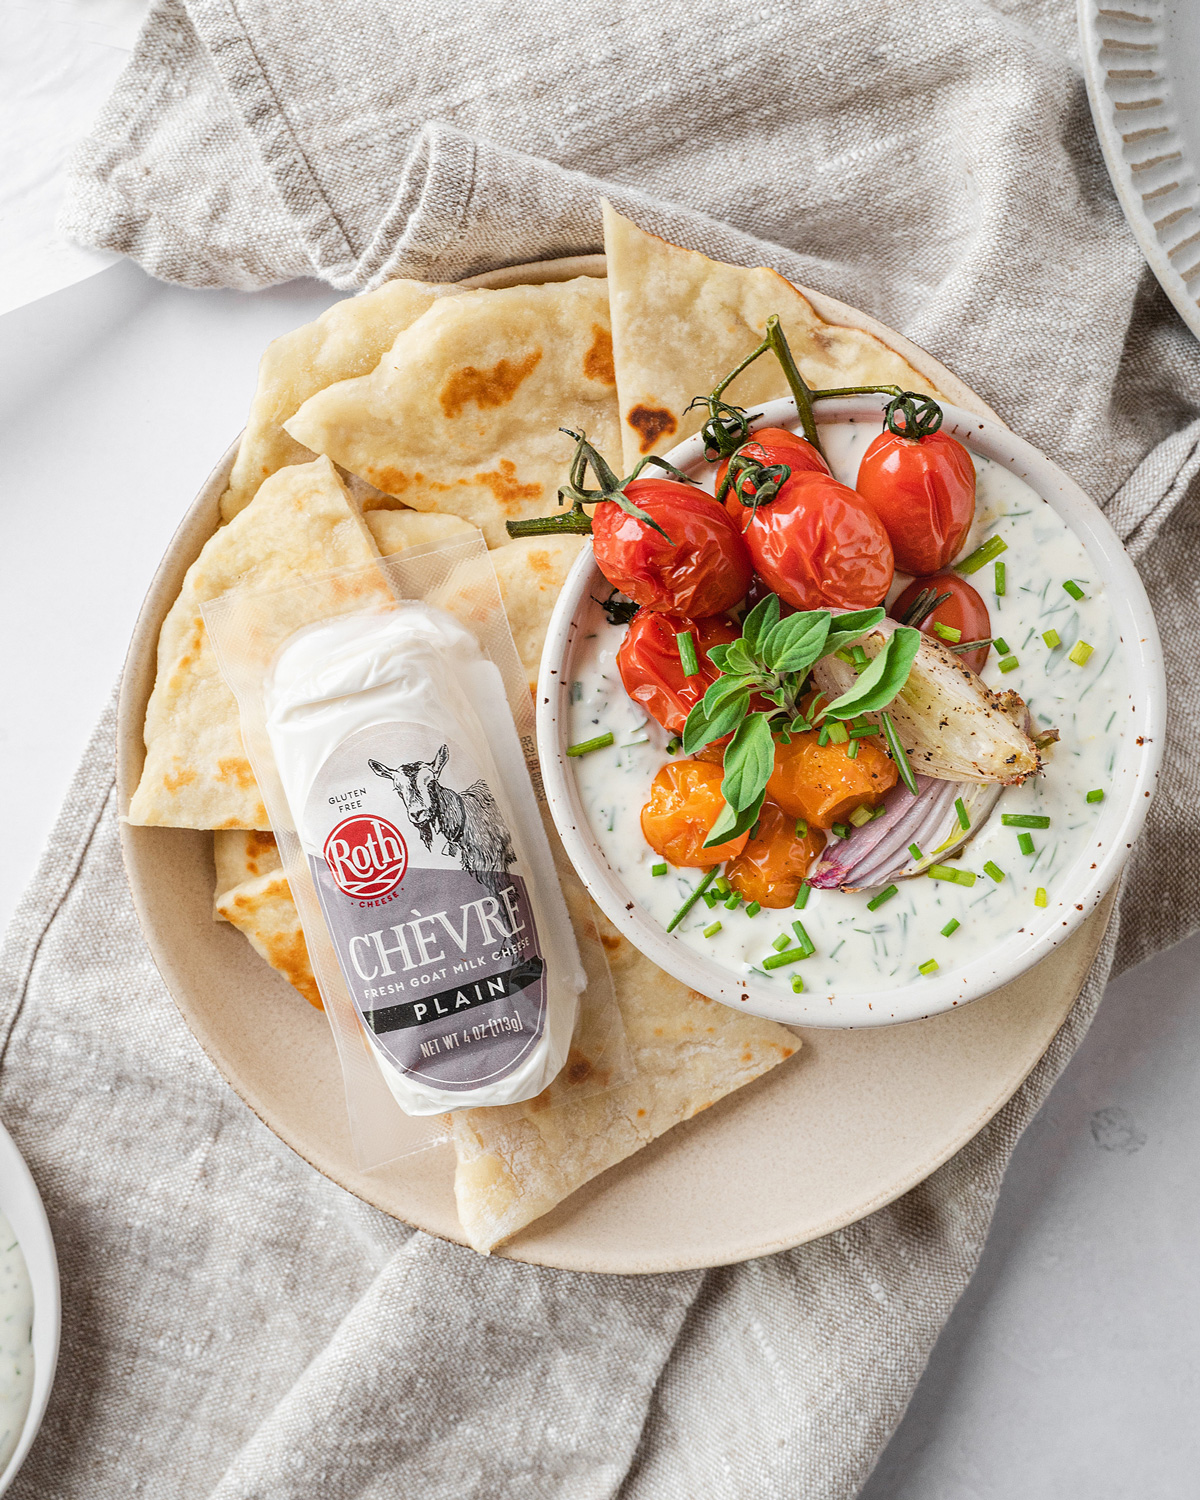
(427,905)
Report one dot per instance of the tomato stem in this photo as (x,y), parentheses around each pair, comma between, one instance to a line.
(778,345)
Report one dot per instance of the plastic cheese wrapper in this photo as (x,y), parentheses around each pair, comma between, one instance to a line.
(393,745)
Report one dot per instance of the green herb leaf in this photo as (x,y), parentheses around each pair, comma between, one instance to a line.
(717,655)
(726,687)
(749,761)
(731,825)
(795,643)
(702,727)
(737,658)
(845,629)
(759,623)
(882,680)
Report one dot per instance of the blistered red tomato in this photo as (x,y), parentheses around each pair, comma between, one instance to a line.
(819,545)
(685,801)
(776,445)
(651,669)
(700,567)
(964,611)
(923,490)
(772,866)
(821,783)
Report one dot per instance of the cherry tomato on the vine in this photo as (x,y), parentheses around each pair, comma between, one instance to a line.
(818,545)
(702,569)
(923,490)
(685,801)
(772,866)
(964,611)
(776,445)
(651,669)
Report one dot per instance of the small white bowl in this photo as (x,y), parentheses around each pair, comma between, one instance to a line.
(1121,816)
(21,1205)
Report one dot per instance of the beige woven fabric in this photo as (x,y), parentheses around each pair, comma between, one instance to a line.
(234,1325)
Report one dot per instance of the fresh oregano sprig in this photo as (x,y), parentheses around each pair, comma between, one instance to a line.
(771,660)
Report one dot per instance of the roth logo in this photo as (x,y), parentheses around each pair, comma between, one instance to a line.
(367,857)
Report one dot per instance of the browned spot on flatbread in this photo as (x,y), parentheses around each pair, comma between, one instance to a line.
(598,361)
(651,423)
(175,781)
(506,487)
(234,768)
(258,843)
(486,388)
(578,1067)
(390,481)
(540,562)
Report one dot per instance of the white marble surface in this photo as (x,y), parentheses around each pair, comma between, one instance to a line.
(1071,1369)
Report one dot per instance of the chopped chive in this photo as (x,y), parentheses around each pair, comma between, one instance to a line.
(838,732)
(1097,795)
(753,909)
(721,886)
(659,869)
(1000,644)
(803,938)
(885,895)
(844,655)
(915,852)
(930,966)
(585,747)
(823,735)
(898,754)
(674,744)
(1079,653)
(788,956)
(732,901)
(947,632)
(858,656)
(863,732)
(709,877)
(1052,638)
(687,653)
(1025,843)
(1025,820)
(1009,664)
(801,900)
(993,547)
(951,927)
(862,815)
(797,985)
(1001,580)
(782,941)
(945,872)
(1073,589)
(994,870)
(852,750)
(710,899)
(840,830)
(1040,898)
(801,828)
(960,807)
(712,929)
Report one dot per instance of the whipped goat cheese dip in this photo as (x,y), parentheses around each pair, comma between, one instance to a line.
(864,953)
(16,1349)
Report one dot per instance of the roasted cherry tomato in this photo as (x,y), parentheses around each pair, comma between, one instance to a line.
(818,545)
(651,668)
(776,445)
(702,570)
(964,611)
(923,490)
(821,784)
(685,801)
(772,866)
(758,591)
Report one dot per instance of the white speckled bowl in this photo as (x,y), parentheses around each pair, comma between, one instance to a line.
(1077,891)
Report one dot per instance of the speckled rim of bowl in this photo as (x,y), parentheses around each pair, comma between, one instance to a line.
(21,1204)
(1120,820)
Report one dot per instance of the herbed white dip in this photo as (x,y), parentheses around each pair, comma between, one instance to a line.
(16,1351)
(865,952)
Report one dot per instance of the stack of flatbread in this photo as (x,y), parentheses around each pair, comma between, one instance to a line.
(416,413)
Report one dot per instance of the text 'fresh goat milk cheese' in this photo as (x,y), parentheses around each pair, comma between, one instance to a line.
(402,768)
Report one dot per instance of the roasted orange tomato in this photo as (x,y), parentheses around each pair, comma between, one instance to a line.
(776,445)
(651,669)
(772,866)
(964,611)
(685,801)
(821,784)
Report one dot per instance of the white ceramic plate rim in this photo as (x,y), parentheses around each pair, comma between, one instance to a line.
(1120,822)
(21,1204)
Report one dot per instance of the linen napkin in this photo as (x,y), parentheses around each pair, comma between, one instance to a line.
(235,1326)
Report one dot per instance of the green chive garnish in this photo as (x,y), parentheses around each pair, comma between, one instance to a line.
(788,956)
(674,744)
(993,547)
(858,656)
(803,938)
(801,900)
(840,830)
(951,927)
(1025,843)
(960,807)
(585,747)
(709,877)
(687,653)
(823,735)
(753,909)
(994,870)
(885,895)
(947,632)
(1052,639)
(801,828)
(863,732)
(733,901)
(930,966)
(797,985)
(1097,795)
(1040,898)
(1079,653)
(838,732)
(659,869)
(721,886)
(712,929)
(1009,664)
(852,750)
(1073,589)
(1000,644)
(946,872)
(1001,580)
(915,852)
(710,899)
(1025,820)
(898,754)
(862,815)
(782,941)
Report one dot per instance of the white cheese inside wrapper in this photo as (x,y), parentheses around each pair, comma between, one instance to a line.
(407,785)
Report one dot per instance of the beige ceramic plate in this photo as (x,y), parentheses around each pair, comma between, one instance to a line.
(857,1119)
